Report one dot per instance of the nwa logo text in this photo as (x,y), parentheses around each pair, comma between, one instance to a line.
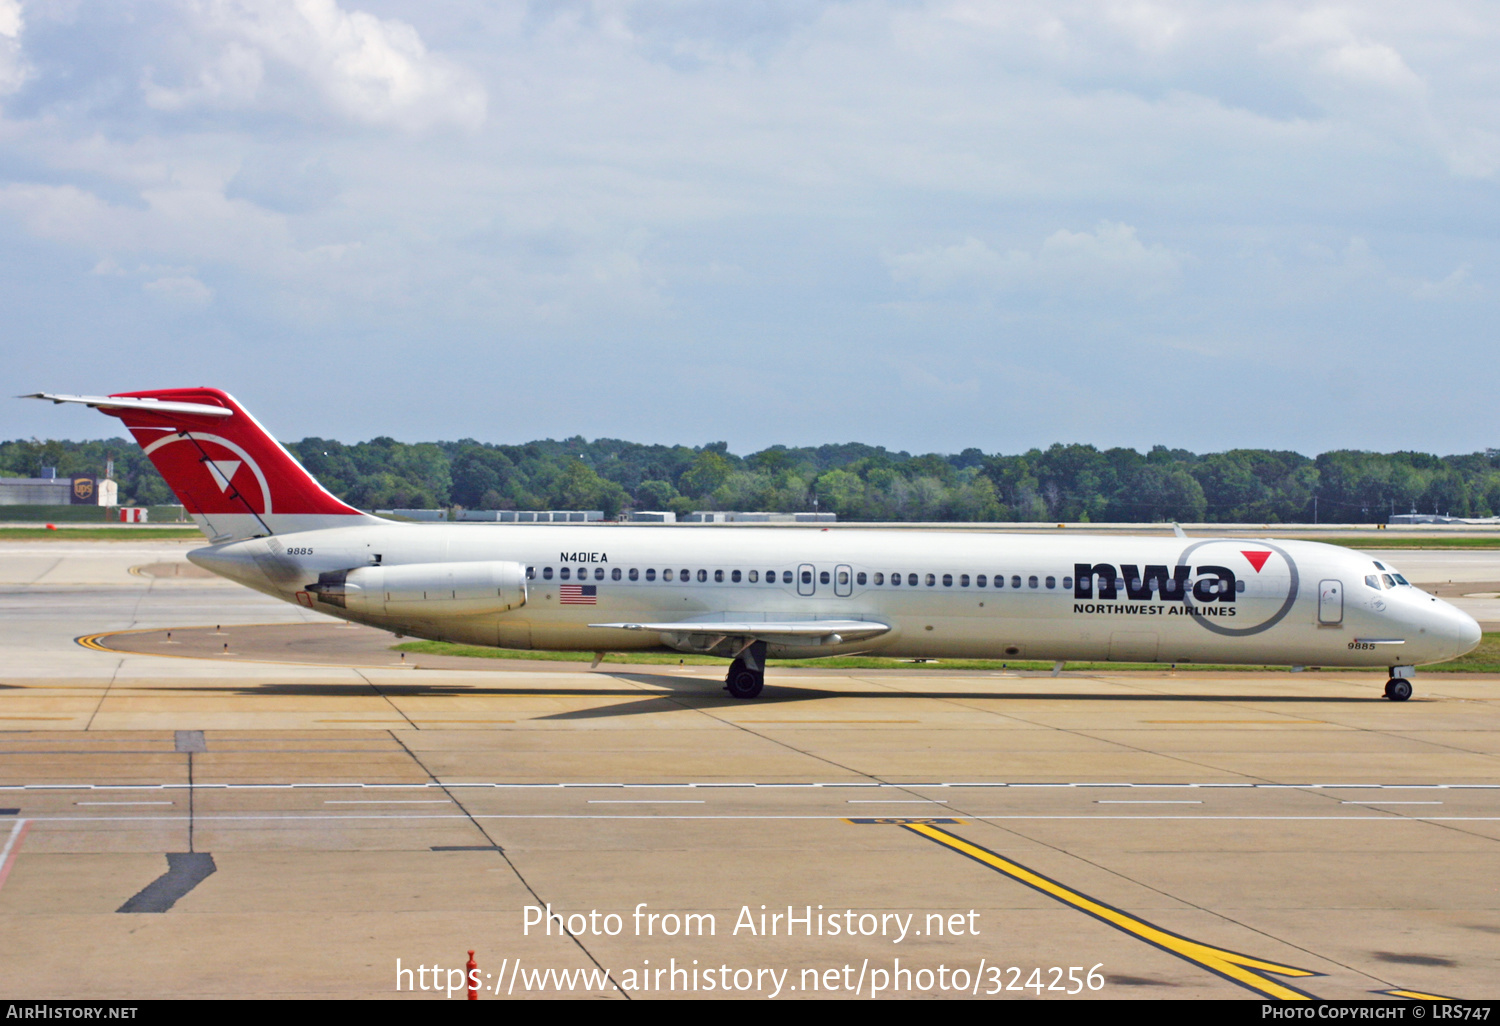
(1212,589)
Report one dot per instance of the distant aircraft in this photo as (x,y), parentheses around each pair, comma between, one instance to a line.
(746,594)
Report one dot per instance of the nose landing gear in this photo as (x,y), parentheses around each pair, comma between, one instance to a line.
(1398,688)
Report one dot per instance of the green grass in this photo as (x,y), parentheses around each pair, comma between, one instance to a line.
(98,533)
(1484,659)
(1408,542)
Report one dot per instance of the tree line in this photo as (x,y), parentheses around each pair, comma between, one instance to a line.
(1074,483)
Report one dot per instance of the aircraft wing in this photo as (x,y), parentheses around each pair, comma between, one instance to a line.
(839,630)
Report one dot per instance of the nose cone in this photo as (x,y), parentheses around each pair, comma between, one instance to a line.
(1466,630)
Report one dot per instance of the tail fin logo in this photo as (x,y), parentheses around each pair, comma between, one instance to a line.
(212,473)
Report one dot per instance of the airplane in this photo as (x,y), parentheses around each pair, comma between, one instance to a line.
(748,594)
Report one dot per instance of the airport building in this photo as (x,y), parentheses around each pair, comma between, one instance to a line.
(523,516)
(1434,518)
(51,490)
(726,517)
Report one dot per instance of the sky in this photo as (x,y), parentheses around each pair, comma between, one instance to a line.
(923,224)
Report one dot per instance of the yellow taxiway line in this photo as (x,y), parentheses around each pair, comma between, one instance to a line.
(1247,971)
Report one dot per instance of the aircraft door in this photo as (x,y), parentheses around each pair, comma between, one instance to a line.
(843,581)
(1330,602)
(806,579)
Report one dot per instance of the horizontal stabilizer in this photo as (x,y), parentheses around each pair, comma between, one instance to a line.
(107,402)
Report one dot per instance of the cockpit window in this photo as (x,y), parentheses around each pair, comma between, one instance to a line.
(1401,580)
(1378,564)
(1372,581)
(1389,583)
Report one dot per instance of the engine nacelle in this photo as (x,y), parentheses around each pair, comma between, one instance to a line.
(425,589)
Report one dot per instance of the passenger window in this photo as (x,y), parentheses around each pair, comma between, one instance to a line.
(546,573)
(1239,586)
(786,577)
(703,576)
(635,574)
(895,580)
(947,581)
(565,573)
(1015,580)
(1067,582)
(963,580)
(615,574)
(844,578)
(650,575)
(1031,582)
(754,577)
(879,579)
(823,577)
(979,581)
(807,577)
(911,579)
(666,575)
(734,578)
(860,578)
(1052,582)
(687,575)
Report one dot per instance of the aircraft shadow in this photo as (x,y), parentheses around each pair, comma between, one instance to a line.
(697,693)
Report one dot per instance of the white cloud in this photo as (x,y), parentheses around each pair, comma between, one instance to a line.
(232,78)
(1109,259)
(181,289)
(13,68)
(1457,285)
(373,70)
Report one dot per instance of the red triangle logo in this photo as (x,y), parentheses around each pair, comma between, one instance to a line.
(1257,559)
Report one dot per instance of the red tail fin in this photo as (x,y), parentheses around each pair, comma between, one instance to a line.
(227,470)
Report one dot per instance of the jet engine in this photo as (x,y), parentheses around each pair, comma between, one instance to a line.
(425,589)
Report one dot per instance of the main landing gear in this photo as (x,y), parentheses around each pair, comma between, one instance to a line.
(747,674)
(1398,688)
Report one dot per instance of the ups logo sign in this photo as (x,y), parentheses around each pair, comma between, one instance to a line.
(83,490)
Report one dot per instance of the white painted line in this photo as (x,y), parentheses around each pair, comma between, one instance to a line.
(394,817)
(392,801)
(896,801)
(499,785)
(124,803)
(1145,801)
(12,848)
(648,801)
(1376,801)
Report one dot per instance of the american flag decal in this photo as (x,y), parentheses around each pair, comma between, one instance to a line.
(578,594)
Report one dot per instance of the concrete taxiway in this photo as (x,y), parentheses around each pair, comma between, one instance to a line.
(293,814)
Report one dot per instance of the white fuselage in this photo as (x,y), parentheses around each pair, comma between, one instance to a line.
(1171,600)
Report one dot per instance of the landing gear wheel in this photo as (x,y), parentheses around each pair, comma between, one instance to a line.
(744,682)
(1398,689)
